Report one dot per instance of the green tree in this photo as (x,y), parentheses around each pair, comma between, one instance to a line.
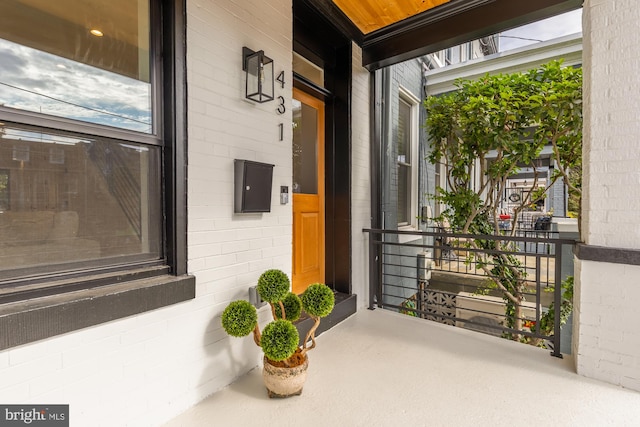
(507,118)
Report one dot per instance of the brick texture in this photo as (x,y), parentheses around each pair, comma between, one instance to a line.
(612,102)
(143,370)
(606,337)
(360,178)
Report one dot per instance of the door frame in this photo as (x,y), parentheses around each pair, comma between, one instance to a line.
(321,43)
(319,104)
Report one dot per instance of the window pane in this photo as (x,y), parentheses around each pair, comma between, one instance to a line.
(69,199)
(305,148)
(82,60)
(404,132)
(308,69)
(403,194)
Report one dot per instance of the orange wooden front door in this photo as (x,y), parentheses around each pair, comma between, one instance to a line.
(308,191)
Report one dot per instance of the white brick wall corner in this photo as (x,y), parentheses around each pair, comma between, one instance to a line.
(606,342)
(611,59)
(360,179)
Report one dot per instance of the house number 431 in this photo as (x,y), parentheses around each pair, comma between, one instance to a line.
(281,109)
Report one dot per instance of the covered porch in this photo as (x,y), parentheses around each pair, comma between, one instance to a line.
(137,353)
(399,370)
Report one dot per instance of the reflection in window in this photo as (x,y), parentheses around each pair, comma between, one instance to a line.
(76,199)
(305,148)
(85,61)
(4,190)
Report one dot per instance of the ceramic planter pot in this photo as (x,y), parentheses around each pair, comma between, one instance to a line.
(284,382)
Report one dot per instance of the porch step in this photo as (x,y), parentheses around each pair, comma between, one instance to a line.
(344,307)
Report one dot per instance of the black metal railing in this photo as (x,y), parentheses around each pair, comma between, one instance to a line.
(454,279)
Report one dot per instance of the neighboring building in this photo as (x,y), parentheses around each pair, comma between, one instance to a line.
(404,180)
(569,50)
(121,123)
(462,53)
(408,179)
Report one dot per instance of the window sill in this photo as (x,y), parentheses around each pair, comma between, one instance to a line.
(405,238)
(22,322)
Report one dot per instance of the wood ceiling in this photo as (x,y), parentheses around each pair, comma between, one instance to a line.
(392,31)
(61,27)
(116,18)
(372,15)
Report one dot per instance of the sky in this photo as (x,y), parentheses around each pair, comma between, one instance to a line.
(38,81)
(547,29)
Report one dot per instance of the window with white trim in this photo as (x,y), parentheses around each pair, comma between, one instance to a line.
(406,159)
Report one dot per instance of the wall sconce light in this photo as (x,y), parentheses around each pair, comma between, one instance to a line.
(259,72)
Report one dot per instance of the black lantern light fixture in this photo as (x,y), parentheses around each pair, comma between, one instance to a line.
(259,72)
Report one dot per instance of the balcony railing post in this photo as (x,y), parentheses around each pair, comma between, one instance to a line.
(375,276)
(379,271)
(372,274)
(421,278)
(557,301)
(538,294)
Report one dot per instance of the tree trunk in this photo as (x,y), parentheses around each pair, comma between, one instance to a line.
(518,320)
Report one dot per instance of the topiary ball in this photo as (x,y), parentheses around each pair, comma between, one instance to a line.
(239,318)
(292,307)
(273,285)
(279,340)
(318,300)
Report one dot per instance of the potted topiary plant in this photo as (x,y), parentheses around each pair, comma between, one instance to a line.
(285,356)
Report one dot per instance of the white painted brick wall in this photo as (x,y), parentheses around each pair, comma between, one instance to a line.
(612,101)
(143,370)
(606,333)
(606,342)
(360,179)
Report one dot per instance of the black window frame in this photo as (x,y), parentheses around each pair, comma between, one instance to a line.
(43,306)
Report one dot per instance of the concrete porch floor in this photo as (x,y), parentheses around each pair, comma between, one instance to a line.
(380,368)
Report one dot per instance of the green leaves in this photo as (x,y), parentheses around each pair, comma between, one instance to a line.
(292,307)
(318,300)
(508,119)
(239,318)
(273,285)
(566,307)
(485,132)
(279,340)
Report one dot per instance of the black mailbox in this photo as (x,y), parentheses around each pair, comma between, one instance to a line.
(252,186)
